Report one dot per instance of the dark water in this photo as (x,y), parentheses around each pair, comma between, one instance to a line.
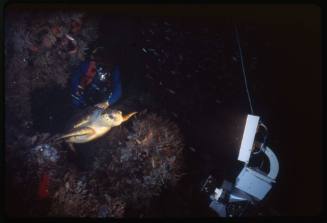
(199,61)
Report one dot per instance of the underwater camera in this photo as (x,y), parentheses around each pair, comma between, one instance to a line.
(252,184)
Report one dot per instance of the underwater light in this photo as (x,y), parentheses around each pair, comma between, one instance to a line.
(249,133)
(252,184)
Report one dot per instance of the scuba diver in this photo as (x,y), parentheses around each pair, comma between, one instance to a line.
(96,82)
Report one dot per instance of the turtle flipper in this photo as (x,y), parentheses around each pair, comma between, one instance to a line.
(84,121)
(79,132)
(71,147)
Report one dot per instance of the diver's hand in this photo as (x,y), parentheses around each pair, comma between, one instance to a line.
(103,105)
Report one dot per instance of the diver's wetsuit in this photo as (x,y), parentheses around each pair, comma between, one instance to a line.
(91,84)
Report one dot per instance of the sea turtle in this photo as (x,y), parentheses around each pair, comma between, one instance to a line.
(94,124)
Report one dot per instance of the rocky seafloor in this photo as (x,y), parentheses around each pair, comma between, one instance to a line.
(183,75)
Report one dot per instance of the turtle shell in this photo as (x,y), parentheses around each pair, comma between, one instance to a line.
(82,115)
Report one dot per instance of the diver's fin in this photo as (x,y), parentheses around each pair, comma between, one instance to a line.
(78,132)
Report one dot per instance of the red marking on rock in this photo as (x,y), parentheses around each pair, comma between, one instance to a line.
(43,191)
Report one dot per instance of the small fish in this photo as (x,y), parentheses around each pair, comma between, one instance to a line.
(170,91)
(192,149)
(153,163)
(69,37)
(149,76)
(218,101)
(166,23)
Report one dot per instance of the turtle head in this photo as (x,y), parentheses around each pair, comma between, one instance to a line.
(116,117)
(128,116)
